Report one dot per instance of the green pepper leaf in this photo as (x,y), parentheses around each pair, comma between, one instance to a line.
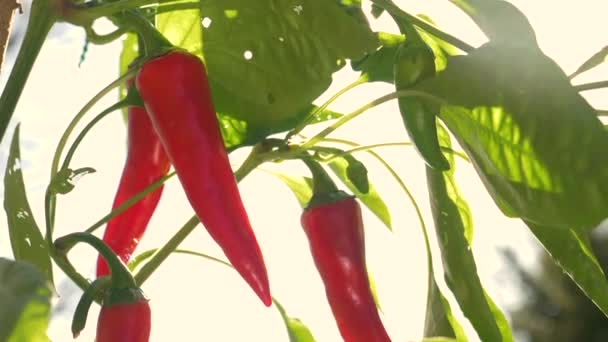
(129,52)
(269,74)
(323,115)
(371,199)
(26,302)
(356,172)
(26,240)
(372,285)
(377,11)
(298,332)
(499,20)
(535,142)
(593,61)
(569,250)
(65,180)
(300,186)
(453,226)
(439,320)
(378,65)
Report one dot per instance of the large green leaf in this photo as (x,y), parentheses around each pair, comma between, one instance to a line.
(26,240)
(571,252)
(536,143)
(183,29)
(25,298)
(371,199)
(453,226)
(269,59)
(499,20)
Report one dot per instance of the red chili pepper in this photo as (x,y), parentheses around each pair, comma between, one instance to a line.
(124,322)
(335,235)
(334,227)
(176,94)
(146,163)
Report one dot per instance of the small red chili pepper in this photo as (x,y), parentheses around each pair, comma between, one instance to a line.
(124,322)
(334,227)
(125,313)
(146,163)
(176,94)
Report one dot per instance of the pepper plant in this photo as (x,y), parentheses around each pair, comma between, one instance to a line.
(192,95)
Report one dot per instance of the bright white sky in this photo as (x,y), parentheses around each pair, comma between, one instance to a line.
(193,299)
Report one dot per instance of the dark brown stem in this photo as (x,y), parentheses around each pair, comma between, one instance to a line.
(7,10)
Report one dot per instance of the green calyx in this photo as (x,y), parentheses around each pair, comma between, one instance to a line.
(328,198)
(153,42)
(127,295)
(324,189)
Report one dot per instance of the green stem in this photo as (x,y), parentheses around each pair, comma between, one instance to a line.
(253,161)
(72,125)
(101,39)
(601,112)
(64,264)
(128,203)
(591,86)
(396,11)
(85,13)
(50,197)
(146,271)
(361,80)
(70,154)
(163,253)
(143,256)
(324,133)
(121,277)
(395,144)
(322,182)
(41,20)
(154,42)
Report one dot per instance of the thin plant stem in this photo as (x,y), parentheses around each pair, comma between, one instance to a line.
(324,133)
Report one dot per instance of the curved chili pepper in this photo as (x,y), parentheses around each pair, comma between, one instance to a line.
(415,62)
(125,313)
(124,321)
(146,163)
(176,94)
(334,227)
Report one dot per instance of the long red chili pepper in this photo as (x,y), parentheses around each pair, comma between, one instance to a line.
(146,163)
(176,94)
(334,227)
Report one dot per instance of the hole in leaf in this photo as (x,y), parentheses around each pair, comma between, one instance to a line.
(248,55)
(206,22)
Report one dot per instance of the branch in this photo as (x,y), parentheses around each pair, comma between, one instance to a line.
(7,10)
(591,86)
